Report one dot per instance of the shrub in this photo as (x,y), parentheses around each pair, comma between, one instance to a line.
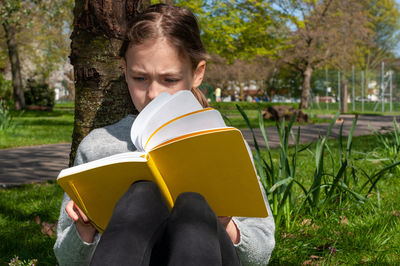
(6,91)
(5,116)
(39,94)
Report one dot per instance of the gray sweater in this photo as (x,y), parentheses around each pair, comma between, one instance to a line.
(256,234)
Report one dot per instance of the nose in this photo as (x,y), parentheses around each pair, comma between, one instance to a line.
(154,90)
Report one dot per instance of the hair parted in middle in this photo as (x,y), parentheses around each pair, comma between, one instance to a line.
(176,25)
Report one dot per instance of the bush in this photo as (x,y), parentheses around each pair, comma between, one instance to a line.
(6,91)
(5,116)
(39,94)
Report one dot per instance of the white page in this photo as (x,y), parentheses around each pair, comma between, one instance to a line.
(144,116)
(208,119)
(117,158)
(178,104)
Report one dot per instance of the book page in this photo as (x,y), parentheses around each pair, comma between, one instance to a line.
(117,158)
(178,104)
(145,115)
(197,121)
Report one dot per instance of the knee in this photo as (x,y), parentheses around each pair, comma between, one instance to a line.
(193,206)
(139,195)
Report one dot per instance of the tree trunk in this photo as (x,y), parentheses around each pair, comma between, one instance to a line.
(101,94)
(344,95)
(19,100)
(305,90)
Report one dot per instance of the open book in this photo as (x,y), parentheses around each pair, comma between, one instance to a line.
(182,147)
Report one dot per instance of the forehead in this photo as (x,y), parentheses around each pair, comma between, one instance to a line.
(154,55)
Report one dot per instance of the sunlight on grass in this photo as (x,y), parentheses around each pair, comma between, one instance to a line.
(39,127)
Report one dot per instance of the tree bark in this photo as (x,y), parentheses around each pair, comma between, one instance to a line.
(344,95)
(19,100)
(305,90)
(101,94)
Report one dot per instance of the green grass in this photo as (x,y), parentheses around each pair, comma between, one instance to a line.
(367,234)
(19,233)
(42,127)
(39,127)
(233,118)
(369,108)
(70,105)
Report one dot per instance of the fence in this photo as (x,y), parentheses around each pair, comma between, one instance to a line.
(375,90)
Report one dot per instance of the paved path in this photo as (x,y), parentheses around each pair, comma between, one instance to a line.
(44,162)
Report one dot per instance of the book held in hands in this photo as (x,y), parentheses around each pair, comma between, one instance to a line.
(182,147)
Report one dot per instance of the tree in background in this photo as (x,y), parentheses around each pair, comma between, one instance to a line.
(383,17)
(384,24)
(351,33)
(10,13)
(36,36)
(318,27)
(239,33)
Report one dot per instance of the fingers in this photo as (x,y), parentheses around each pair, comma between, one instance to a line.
(75,213)
(81,214)
(69,208)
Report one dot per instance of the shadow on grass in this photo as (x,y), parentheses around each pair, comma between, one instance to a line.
(32,113)
(45,122)
(20,235)
(27,242)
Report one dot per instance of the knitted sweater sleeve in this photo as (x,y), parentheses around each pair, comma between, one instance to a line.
(257,238)
(69,248)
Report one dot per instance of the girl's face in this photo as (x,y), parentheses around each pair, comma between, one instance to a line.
(156,66)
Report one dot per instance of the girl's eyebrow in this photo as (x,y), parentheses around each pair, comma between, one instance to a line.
(138,71)
(171,73)
(166,73)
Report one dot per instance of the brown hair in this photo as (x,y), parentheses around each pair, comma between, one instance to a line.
(177,25)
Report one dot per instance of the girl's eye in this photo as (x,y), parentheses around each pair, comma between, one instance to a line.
(171,80)
(139,78)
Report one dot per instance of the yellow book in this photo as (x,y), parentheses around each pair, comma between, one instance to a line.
(187,151)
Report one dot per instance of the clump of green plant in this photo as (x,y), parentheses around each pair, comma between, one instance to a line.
(5,117)
(389,144)
(39,94)
(335,178)
(6,91)
(15,261)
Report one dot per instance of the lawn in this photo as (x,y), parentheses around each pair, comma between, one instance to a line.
(42,127)
(20,234)
(369,108)
(346,233)
(234,118)
(39,127)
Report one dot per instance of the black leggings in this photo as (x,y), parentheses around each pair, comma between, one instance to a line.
(142,231)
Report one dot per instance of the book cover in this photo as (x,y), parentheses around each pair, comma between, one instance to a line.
(190,150)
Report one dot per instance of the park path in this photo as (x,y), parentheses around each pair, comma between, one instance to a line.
(44,162)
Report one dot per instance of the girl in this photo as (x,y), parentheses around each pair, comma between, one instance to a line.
(163,52)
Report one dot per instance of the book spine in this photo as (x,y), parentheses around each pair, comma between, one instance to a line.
(160,182)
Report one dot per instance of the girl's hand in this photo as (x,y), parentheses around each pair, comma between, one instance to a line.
(230,228)
(83,226)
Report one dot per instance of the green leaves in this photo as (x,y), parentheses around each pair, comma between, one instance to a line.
(335,176)
(238,29)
